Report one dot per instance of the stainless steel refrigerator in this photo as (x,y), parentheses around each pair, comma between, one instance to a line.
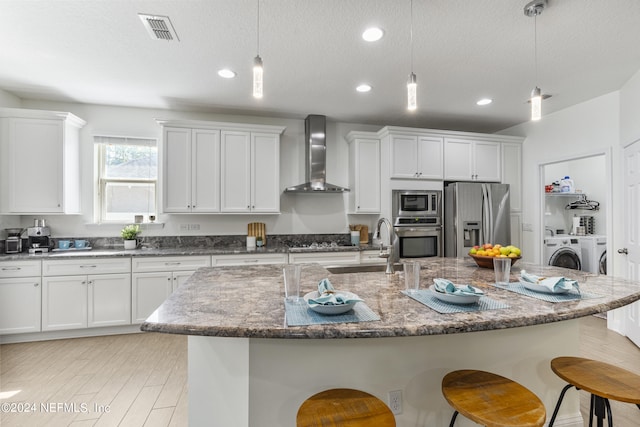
(475,213)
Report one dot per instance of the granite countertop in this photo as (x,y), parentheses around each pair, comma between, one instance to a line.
(178,251)
(248,302)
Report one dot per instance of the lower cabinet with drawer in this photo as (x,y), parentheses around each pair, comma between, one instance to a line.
(20,297)
(86,293)
(155,278)
(248,259)
(325,258)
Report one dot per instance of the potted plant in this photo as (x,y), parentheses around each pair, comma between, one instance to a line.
(259,241)
(129,234)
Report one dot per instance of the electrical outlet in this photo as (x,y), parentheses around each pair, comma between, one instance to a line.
(527,227)
(395,401)
(184,227)
(194,226)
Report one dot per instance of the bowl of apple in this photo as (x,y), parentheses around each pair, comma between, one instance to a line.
(484,255)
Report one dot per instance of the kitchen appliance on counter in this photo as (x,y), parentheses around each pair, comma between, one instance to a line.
(13,243)
(476,213)
(39,238)
(417,222)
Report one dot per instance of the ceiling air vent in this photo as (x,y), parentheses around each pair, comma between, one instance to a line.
(159,27)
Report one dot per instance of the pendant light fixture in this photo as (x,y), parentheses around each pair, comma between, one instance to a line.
(533,9)
(257,63)
(412,85)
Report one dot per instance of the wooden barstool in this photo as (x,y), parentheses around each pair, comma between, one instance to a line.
(602,380)
(491,400)
(344,407)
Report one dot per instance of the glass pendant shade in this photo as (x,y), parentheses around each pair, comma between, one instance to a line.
(257,77)
(536,104)
(412,89)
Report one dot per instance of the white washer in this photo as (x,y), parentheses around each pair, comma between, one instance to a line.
(594,253)
(563,251)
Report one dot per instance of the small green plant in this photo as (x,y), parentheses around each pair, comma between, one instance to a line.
(130,232)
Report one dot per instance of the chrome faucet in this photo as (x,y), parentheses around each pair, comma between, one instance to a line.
(389,252)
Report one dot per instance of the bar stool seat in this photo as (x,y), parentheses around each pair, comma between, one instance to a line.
(344,407)
(603,380)
(492,400)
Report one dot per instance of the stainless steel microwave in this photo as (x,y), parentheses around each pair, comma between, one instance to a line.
(416,203)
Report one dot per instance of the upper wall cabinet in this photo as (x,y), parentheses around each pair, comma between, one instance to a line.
(39,162)
(364,173)
(469,160)
(250,172)
(215,167)
(191,170)
(416,156)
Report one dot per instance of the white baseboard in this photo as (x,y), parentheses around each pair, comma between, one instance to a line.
(571,420)
(72,333)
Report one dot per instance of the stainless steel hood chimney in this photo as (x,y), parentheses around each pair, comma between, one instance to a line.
(315,131)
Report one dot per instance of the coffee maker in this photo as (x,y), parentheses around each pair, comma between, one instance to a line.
(39,237)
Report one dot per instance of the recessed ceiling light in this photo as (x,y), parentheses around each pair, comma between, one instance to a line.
(372,34)
(363,87)
(484,101)
(226,73)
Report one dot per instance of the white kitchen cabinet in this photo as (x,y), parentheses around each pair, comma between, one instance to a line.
(86,293)
(49,140)
(469,160)
(416,156)
(191,170)
(248,259)
(155,278)
(20,297)
(364,174)
(325,258)
(250,172)
(512,173)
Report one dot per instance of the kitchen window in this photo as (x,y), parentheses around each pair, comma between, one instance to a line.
(127,178)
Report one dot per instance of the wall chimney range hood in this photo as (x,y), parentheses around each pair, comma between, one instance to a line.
(315,131)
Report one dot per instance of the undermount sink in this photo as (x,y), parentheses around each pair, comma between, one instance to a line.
(361,268)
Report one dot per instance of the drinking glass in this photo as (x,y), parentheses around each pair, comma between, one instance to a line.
(291,273)
(411,276)
(502,269)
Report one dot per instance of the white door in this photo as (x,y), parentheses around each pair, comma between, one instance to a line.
(404,156)
(176,176)
(148,291)
(367,176)
(205,179)
(430,152)
(179,277)
(109,300)
(632,231)
(20,305)
(235,176)
(265,170)
(64,302)
(458,160)
(487,161)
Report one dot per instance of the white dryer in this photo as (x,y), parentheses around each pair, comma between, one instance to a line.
(594,253)
(563,251)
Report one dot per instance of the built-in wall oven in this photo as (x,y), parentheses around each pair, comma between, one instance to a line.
(417,221)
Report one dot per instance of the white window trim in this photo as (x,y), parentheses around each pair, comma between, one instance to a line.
(100,183)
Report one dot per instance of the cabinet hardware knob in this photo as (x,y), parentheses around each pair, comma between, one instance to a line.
(250,260)
(169,279)
(624,251)
(11,268)
(88,266)
(36,284)
(175,278)
(173,263)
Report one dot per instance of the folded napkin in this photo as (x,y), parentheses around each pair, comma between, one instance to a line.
(328,296)
(554,284)
(447,287)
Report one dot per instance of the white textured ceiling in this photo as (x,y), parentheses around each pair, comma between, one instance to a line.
(97,51)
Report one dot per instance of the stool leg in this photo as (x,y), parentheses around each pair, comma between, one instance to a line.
(555,411)
(599,409)
(453,419)
(609,415)
(591,399)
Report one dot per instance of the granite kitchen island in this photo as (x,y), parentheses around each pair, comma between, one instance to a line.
(247,367)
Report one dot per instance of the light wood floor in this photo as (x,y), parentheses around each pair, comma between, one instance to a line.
(141,378)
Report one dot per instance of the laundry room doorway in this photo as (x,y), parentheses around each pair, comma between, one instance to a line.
(575,210)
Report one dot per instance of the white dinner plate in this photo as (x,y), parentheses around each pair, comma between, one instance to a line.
(539,288)
(453,298)
(330,309)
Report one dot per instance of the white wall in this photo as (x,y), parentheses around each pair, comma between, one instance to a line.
(301,213)
(8,100)
(580,131)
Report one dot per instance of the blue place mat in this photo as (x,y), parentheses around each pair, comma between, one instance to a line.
(572,295)
(427,298)
(299,314)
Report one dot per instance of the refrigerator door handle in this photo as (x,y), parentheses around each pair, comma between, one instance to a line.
(487,217)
